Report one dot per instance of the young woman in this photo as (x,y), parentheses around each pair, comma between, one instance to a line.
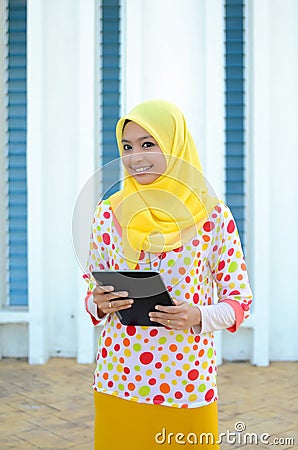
(156,386)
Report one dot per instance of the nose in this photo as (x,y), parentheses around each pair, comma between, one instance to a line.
(136,157)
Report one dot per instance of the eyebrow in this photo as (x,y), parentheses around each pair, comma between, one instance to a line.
(139,139)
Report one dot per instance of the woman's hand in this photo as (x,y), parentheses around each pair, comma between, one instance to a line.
(179,317)
(104,298)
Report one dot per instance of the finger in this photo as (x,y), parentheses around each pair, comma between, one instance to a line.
(102,289)
(120,304)
(168,309)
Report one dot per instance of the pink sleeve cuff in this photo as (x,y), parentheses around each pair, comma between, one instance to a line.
(239,314)
(94,320)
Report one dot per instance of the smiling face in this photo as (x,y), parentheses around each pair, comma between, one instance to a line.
(141,155)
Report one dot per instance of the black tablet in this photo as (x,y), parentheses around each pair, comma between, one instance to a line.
(145,287)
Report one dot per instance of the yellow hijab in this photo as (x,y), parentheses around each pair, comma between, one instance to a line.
(167,213)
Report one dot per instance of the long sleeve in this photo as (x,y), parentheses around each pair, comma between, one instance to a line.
(97,260)
(229,269)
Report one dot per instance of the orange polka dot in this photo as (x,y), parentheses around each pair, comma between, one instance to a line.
(124,377)
(146,340)
(94,246)
(189,387)
(219,276)
(138,377)
(205,341)
(173,347)
(178,373)
(164,388)
(105,376)
(187,295)
(118,326)
(243,266)
(201,352)
(240,276)
(131,386)
(206,238)
(182,270)
(195,347)
(121,360)
(126,342)
(108,341)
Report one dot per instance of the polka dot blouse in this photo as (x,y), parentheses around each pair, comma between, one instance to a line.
(154,364)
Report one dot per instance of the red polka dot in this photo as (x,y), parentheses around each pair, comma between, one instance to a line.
(221,265)
(227,277)
(116,347)
(146,358)
(235,292)
(193,374)
(126,370)
(152,381)
(230,251)
(208,226)
(196,298)
(187,279)
(178,395)
(178,250)
(158,399)
(131,330)
(106,238)
(179,356)
(158,365)
(209,395)
(231,226)
(195,242)
(110,384)
(153,332)
(104,352)
(142,255)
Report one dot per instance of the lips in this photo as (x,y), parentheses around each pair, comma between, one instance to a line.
(139,170)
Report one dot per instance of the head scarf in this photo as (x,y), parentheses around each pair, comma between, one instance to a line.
(166,214)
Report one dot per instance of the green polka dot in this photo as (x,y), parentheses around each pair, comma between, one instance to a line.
(144,391)
(242,286)
(170,400)
(187,261)
(177,292)
(179,338)
(191,358)
(188,247)
(232,267)
(121,387)
(111,353)
(167,369)
(202,387)
(171,262)
(110,366)
(99,367)
(137,368)
(123,335)
(224,248)
(162,340)
(98,228)
(137,347)
(184,382)
(210,353)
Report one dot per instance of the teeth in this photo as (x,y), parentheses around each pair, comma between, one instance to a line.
(142,169)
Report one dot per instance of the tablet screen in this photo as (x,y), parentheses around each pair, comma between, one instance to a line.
(145,287)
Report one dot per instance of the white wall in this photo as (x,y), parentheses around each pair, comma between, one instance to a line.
(61,153)
(283,121)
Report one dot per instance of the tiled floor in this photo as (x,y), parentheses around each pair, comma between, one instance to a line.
(51,407)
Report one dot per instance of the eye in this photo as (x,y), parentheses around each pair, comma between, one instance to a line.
(148,144)
(127,147)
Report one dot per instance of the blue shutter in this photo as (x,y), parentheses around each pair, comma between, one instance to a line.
(234,72)
(110,46)
(17,187)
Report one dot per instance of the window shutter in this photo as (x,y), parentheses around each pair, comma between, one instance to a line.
(16,157)
(110,50)
(235,145)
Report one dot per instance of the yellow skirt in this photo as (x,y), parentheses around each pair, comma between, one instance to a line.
(126,425)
